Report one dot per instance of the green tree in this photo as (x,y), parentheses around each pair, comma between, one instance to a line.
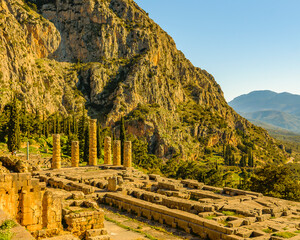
(86,146)
(276,181)
(250,158)
(99,141)
(13,142)
(82,129)
(228,156)
(243,161)
(141,158)
(37,124)
(24,123)
(4,119)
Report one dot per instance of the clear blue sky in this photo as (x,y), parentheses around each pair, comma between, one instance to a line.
(246,44)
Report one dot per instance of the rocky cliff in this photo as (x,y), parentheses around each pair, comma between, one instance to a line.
(124,64)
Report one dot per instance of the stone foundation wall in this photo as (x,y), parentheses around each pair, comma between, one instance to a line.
(26,201)
(79,223)
(175,218)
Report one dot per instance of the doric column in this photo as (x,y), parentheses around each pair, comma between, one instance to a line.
(75,154)
(107,150)
(93,142)
(117,153)
(127,154)
(56,158)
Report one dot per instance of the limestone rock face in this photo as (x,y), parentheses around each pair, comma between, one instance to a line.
(26,40)
(124,64)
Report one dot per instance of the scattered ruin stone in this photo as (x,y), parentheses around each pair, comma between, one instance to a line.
(14,164)
(112,184)
(44,201)
(107,150)
(127,154)
(75,154)
(117,153)
(187,204)
(93,142)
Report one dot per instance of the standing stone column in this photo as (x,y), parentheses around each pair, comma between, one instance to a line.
(127,154)
(56,158)
(93,142)
(117,153)
(107,150)
(75,154)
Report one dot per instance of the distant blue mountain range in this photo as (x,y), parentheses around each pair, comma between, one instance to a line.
(275,109)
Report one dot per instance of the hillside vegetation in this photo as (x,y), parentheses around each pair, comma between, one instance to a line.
(111,57)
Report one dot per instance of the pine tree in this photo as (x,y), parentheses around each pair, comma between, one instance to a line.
(86,146)
(82,127)
(250,158)
(13,142)
(122,137)
(24,126)
(46,129)
(44,124)
(58,124)
(37,123)
(74,126)
(69,131)
(54,122)
(227,157)
(99,141)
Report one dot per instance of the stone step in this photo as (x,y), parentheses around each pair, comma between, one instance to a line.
(103,237)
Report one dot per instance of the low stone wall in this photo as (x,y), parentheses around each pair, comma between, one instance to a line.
(172,217)
(27,201)
(194,184)
(66,184)
(79,223)
(234,192)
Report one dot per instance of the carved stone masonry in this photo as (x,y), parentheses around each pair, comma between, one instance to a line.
(75,154)
(56,158)
(117,153)
(107,150)
(127,154)
(93,142)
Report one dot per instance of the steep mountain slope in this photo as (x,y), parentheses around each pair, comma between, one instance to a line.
(267,100)
(125,65)
(26,39)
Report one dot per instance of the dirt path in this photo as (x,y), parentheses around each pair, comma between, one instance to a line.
(119,233)
(129,227)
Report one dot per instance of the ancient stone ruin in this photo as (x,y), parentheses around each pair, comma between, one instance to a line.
(56,158)
(117,153)
(127,154)
(93,142)
(75,154)
(107,150)
(50,200)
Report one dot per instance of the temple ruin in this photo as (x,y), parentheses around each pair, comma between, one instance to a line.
(50,200)
(107,150)
(75,154)
(92,142)
(117,153)
(56,157)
